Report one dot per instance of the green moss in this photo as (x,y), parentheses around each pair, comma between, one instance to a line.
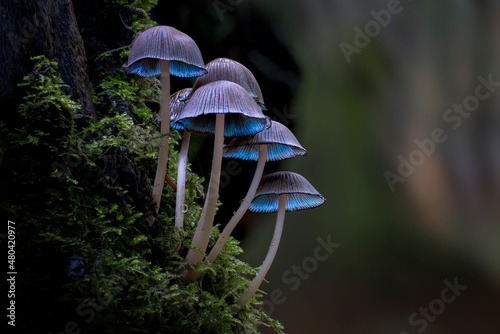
(83,197)
(133,94)
(145,5)
(141,19)
(80,194)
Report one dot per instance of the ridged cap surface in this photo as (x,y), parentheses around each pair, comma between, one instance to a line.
(165,43)
(242,115)
(230,70)
(177,103)
(300,194)
(280,141)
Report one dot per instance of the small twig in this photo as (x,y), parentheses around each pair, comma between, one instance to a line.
(170,182)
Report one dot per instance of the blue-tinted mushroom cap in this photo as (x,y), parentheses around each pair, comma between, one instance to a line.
(281,144)
(242,115)
(230,70)
(300,194)
(164,43)
(177,103)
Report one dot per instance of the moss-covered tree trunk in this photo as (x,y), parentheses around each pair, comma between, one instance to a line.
(33,27)
(78,150)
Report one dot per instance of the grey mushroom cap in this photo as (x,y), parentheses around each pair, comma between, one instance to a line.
(300,194)
(177,103)
(230,70)
(242,115)
(164,43)
(280,141)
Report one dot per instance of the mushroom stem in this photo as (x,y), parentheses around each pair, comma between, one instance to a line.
(202,233)
(273,248)
(243,206)
(181,181)
(161,169)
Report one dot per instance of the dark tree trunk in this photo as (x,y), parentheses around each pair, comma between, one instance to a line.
(35,27)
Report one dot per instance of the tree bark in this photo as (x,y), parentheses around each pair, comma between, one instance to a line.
(36,27)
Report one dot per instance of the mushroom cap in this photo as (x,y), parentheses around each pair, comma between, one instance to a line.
(230,70)
(242,115)
(281,144)
(300,194)
(177,103)
(164,43)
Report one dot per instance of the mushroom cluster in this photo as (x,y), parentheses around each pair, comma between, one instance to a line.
(225,101)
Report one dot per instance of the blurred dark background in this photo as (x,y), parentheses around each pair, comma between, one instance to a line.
(399,244)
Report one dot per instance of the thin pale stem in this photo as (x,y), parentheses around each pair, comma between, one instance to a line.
(202,233)
(161,169)
(273,248)
(181,181)
(226,232)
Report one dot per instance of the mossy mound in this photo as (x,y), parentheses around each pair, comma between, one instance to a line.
(86,256)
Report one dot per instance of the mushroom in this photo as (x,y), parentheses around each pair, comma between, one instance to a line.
(164,50)
(223,108)
(279,192)
(218,69)
(230,70)
(176,106)
(273,144)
